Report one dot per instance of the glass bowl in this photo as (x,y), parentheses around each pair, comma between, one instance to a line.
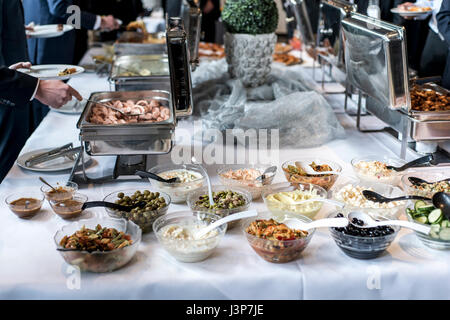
(281,210)
(252,185)
(324,181)
(23,208)
(428,175)
(274,250)
(67,190)
(178,192)
(68,209)
(143,219)
(356,202)
(188,250)
(386,176)
(194,196)
(428,240)
(100,261)
(362,247)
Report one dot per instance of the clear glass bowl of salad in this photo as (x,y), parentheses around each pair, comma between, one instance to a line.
(244,176)
(425,213)
(426,189)
(295,174)
(191,179)
(280,199)
(372,168)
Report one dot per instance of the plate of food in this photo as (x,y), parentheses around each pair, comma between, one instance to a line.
(48,30)
(53,71)
(411,11)
(72,107)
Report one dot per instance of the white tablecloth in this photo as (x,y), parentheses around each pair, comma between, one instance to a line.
(31,268)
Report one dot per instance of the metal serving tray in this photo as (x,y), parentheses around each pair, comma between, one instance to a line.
(376,60)
(130,43)
(430,115)
(127,139)
(331,13)
(157,64)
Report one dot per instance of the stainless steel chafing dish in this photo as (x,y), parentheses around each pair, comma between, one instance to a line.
(134,43)
(376,63)
(133,142)
(127,139)
(140,72)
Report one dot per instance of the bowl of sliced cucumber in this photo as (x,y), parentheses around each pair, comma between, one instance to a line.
(426,213)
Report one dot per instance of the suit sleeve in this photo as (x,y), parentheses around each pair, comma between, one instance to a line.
(58,8)
(443,20)
(16,87)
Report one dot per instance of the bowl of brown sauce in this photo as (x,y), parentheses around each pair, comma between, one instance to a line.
(25,205)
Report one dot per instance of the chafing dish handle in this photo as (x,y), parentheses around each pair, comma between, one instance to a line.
(180,70)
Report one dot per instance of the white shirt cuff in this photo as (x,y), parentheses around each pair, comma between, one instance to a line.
(98,23)
(35,90)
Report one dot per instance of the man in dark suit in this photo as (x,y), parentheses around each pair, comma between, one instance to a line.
(443,21)
(59,50)
(16,90)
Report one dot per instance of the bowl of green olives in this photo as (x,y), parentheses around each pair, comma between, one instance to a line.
(227,200)
(156,205)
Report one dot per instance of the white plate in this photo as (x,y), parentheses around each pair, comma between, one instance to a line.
(59,164)
(405,13)
(50,71)
(72,107)
(48,31)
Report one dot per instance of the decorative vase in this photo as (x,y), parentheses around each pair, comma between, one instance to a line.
(249,57)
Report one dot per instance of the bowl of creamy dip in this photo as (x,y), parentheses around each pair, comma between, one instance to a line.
(373,168)
(177,233)
(191,179)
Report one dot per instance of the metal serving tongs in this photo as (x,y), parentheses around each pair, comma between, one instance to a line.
(66,150)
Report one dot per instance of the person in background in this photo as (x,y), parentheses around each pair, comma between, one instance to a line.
(172,7)
(443,23)
(435,50)
(211,13)
(59,50)
(17,89)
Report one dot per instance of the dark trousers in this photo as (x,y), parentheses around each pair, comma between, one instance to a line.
(434,56)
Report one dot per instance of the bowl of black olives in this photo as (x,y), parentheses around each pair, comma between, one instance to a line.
(150,204)
(362,243)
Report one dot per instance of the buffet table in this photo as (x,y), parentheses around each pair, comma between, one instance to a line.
(31,268)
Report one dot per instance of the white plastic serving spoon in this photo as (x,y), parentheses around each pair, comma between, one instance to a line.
(322,223)
(369,222)
(306,166)
(231,217)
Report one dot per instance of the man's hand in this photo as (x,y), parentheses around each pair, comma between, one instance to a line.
(109,23)
(21,65)
(55,93)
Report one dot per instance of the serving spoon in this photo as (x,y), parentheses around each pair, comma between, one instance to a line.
(376,197)
(418,181)
(441,200)
(369,222)
(421,160)
(153,176)
(263,177)
(232,217)
(115,206)
(208,181)
(297,224)
(48,184)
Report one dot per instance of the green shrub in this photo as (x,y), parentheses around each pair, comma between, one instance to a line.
(250,16)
